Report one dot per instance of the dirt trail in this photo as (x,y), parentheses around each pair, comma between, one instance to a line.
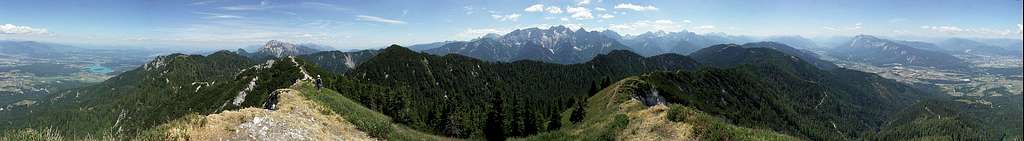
(296,119)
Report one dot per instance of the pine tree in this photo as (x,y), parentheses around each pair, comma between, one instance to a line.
(495,130)
(578,113)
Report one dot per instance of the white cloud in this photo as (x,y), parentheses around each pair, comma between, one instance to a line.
(640,27)
(510,17)
(607,16)
(266,5)
(855,27)
(378,19)
(10,29)
(982,32)
(535,8)
(600,9)
(218,15)
(583,2)
(204,2)
(634,7)
(580,13)
(945,29)
(554,10)
(704,28)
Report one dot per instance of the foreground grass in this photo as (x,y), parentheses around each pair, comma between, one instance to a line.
(374,123)
(612,114)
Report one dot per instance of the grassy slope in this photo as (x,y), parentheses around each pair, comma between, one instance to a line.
(372,122)
(613,115)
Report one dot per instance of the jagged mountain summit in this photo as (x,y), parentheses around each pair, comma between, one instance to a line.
(557,44)
(281,49)
(877,51)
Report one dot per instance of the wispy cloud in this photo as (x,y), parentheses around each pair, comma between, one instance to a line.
(535,8)
(366,18)
(267,5)
(855,27)
(642,26)
(963,31)
(205,2)
(10,29)
(208,15)
(583,2)
(580,13)
(945,29)
(634,7)
(510,17)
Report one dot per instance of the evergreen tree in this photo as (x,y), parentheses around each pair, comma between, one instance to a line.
(495,130)
(578,113)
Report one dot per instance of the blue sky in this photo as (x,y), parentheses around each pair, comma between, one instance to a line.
(356,24)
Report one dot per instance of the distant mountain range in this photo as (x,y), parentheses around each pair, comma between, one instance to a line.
(684,42)
(877,51)
(429,46)
(557,44)
(965,46)
(34,49)
(280,49)
(798,42)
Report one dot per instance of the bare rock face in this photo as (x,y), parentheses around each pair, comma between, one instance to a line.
(283,49)
(296,119)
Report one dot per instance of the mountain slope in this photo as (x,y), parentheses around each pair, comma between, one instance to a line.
(795,42)
(428,46)
(619,113)
(965,46)
(339,62)
(444,94)
(732,55)
(280,49)
(774,91)
(165,89)
(557,44)
(685,42)
(872,50)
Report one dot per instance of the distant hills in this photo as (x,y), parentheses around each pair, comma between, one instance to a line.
(877,51)
(34,49)
(684,42)
(731,55)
